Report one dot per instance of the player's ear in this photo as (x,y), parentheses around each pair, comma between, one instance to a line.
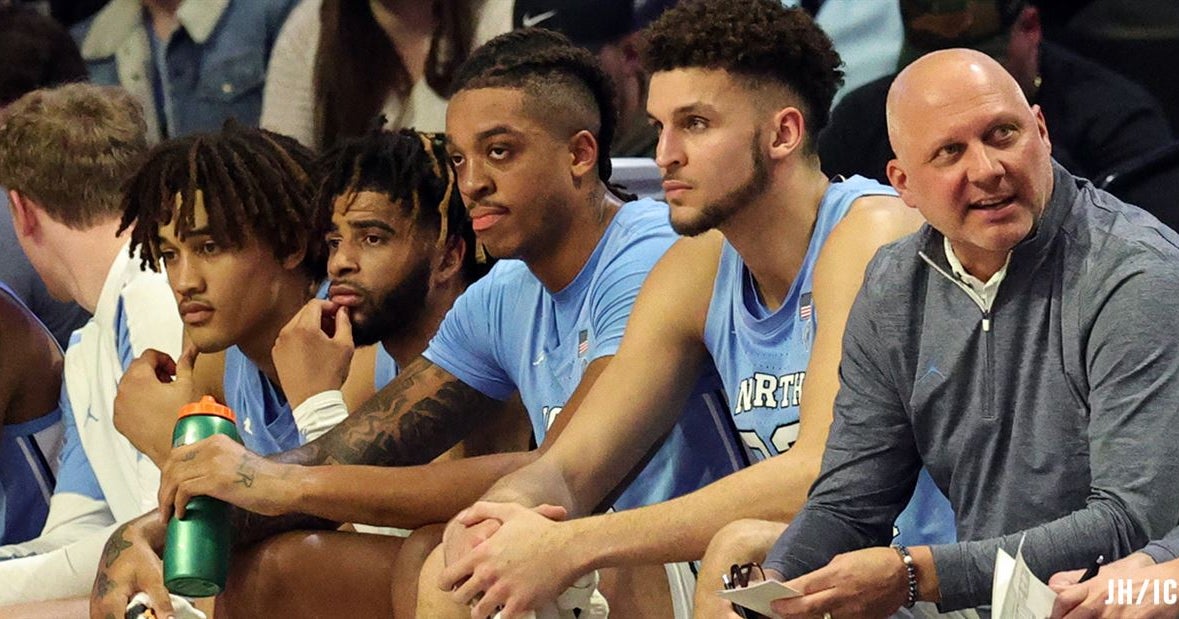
(789,132)
(583,156)
(448,261)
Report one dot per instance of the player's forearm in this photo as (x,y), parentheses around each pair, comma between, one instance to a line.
(538,483)
(250,528)
(413,420)
(321,497)
(406,497)
(148,528)
(680,529)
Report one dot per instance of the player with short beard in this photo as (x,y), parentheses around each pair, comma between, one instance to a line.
(381,202)
(400,251)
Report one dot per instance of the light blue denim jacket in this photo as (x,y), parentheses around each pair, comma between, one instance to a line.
(215,63)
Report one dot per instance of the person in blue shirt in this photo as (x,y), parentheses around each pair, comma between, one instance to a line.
(30,420)
(192,64)
(400,251)
(531,124)
(762,291)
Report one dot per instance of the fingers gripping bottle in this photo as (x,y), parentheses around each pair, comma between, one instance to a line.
(196,553)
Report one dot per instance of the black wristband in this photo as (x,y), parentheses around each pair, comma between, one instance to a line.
(911,570)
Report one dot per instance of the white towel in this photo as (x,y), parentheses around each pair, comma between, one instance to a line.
(140,608)
(583,595)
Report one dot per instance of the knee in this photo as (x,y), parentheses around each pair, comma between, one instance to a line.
(256,581)
(745,540)
(408,569)
(432,601)
(421,543)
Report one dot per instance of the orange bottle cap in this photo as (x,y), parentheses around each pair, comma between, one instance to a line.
(207,406)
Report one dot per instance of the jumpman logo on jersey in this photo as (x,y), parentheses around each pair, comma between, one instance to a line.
(90,416)
(549,414)
(248,426)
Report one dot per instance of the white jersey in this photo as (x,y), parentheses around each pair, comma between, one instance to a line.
(136,311)
(102,478)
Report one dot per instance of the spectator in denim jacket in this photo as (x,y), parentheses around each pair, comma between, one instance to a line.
(191,63)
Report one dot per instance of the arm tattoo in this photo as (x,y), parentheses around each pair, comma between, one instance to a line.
(102,585)
(110,553)
(115,547)
(413,420)
(421,414)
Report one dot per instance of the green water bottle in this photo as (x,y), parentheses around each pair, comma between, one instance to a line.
(196,553)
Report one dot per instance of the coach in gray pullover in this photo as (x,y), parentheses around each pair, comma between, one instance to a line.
(1044,402)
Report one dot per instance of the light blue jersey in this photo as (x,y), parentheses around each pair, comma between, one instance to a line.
(264,418)
(28,465)
(762,358)
(507,333)
(384,369)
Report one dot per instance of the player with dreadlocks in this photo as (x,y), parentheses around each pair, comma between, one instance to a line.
(401,250)
(530,123)
(396,192)
(231,217)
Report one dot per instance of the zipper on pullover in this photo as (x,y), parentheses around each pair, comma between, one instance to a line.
(984,306)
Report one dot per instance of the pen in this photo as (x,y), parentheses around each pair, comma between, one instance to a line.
(1092,571)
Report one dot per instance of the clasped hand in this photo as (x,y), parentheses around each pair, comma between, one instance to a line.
(502,557)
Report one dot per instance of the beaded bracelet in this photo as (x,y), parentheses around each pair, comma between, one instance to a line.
(907,559)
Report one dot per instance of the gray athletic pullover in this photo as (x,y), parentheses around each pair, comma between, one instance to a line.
(1055,416)
(1166,549)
